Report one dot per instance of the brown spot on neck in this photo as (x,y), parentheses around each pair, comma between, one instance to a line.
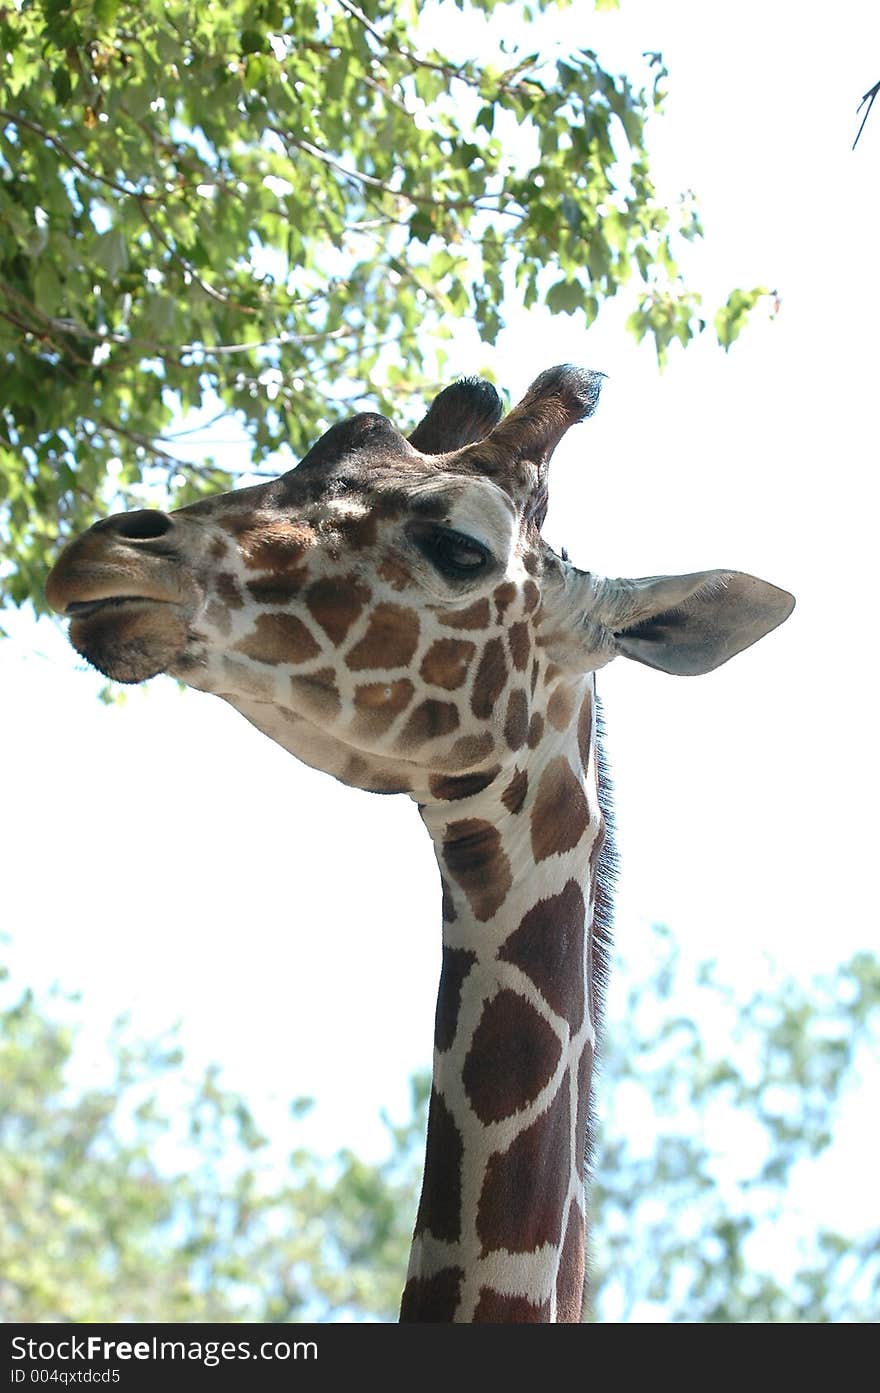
(494,1308)
(536,730)
(559,816)
(440,1203)
(512,1056)
(476,861)
(451,787)
(523,1194)
(469,751)
(570,1277)
(560,707)
(432,1300)
(516,724)
(514,795)
(457,963)
(550,948)
(585,729)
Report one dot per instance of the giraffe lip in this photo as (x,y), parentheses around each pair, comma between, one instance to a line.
(82,609)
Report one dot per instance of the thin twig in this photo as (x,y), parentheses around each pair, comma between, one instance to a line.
(869,97)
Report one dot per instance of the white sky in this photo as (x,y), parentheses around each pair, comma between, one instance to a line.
(165,858)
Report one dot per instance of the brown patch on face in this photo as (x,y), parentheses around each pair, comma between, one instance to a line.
(429,719)
(512,1056)
(585,729)
(227,589)
(392,570)
(532,563)
(316,694)
(469,750)
(536,730)
(518,639)
(278,638)
(218,549)
(521,1203)
(357,532)
(476,616)
(378,703)
(218,615)
(516,723)
(514,795)
(570,1277)
(549,948)
(477,862)
(390,641)
(276,590)
(493,1308)
(446,662)
(531,596)
(503,595)
(432,1300)
(451,787)
(278,547)
(560,707)
(440,1203)
(559,813)
(457,963)
(335,603)
(553,671)
(490,679)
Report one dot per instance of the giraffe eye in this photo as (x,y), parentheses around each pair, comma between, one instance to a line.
(453,553)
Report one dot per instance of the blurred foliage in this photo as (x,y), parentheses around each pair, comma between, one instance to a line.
(722,1111)
(274,212)
(152,1199)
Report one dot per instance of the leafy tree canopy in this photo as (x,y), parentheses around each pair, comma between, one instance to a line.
(272,210)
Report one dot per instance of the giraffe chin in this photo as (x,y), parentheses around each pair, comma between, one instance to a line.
(132,642)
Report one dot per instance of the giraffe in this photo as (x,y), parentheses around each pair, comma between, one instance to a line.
(389,612)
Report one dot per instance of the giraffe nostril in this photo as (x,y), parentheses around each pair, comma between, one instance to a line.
(142,526)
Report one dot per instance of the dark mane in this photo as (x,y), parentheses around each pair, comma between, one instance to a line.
(603,913)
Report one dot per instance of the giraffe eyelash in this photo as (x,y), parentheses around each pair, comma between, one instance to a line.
(454,554)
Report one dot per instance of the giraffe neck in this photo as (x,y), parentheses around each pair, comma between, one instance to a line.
(501,1226)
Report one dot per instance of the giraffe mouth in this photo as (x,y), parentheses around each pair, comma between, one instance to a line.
(84,609)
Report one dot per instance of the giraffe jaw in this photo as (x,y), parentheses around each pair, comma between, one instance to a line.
(129,638)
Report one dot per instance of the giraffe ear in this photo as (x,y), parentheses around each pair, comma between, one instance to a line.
(689,625)
(461,415)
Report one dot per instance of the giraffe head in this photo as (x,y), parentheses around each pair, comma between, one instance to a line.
(388,610)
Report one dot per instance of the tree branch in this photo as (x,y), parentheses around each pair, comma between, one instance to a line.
(869,97)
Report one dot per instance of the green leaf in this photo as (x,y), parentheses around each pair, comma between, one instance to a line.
(565,297)
(731,318)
